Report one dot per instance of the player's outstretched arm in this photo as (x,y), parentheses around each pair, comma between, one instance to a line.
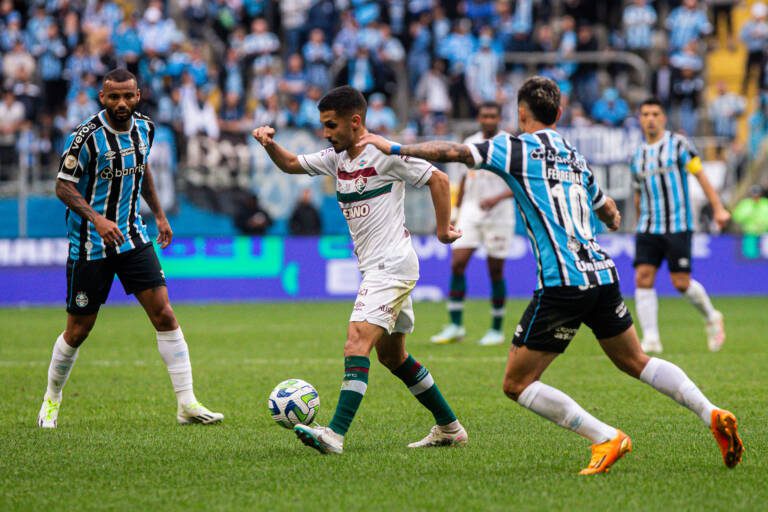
(719,213)
(434,151)
(284,159)
(70,196)
(440,188)
(609,214)
(148,192)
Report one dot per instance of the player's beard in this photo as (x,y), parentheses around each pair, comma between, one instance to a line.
(120,115)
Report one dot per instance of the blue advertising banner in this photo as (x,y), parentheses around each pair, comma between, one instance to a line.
(32,271)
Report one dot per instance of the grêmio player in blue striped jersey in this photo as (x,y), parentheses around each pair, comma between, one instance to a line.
(103,170)
(660,169)
(555,192)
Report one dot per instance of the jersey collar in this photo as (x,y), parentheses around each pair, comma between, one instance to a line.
(103,117)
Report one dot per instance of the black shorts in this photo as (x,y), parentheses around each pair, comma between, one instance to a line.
(89,282)
(555,314)
(674,247)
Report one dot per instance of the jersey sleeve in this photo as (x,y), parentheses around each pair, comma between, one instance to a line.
(413,171)
(323,162)
(637,183)
(688,156)
(75,158)
(595,192)
(493,155)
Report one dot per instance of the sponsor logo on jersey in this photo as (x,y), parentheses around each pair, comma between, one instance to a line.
(564,333)
(127,151)
(70,162)
(359,306)
(355,212)
(108,173)
(518,331)
(142,148)
(621,310)
(593,266)
(550,155)
(81,299)
(81,135)
(110,155)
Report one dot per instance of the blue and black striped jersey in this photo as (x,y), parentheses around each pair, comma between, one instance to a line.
(555,192)
(660,174)
(107,167)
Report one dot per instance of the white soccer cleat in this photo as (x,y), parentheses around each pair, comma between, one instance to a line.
(196,412)
(49,413)
(651,346)
(715,332)
(451,333)
(438,437)
(322,439)
(492,337)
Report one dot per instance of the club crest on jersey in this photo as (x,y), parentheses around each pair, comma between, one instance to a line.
(573,244)
(360,184)
(81,299)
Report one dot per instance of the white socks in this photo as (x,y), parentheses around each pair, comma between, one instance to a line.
(648,312)
(697,295)
(174,351)
(669,379)
(62,360)
(559,408)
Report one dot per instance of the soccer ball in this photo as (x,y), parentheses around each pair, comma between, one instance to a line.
(293,402)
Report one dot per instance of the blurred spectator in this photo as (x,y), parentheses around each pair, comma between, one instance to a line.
(293,15)
(318,58)
(232,117)
(268,113)
(758,126)
(687,86)
(724,112)
(156,32)
(305,219)
(432,89)
(345,42)
(639,19)
(233,74)
(309,116)
(754,34)
(360,72)
(199,114)
(82,108)
(457,48)
(294,82)
(265,83)
(585,83)
(661,82)
(390,49)
(420,55)
(484,64)
(441,25)
(28,93)
(481,12)
(11,33)
(610,109)
(51,62)
(260,44)
(686,23)
(18,60)
(127,43)
(751,213)
(380,118)
(71,30)
(11,117)
(522,26)
(251,218)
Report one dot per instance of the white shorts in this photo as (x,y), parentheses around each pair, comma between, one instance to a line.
(495,237)
(385,301)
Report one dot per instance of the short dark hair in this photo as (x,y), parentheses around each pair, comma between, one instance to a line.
(120,75)
(490,104)
(542,96)
(345,100)
(652,101)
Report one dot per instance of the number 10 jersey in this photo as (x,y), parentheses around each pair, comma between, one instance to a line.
(555,192)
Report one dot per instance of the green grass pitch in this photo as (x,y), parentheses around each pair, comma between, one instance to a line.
(118,447)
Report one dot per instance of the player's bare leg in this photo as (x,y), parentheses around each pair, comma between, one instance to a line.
(625,352)
(175,353)
(521,383)
(447,431)
(697,295)
(62,360)
(495,335)
(647,305)
(455,331)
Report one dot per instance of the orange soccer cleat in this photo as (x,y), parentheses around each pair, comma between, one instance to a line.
(605,454)
(724,428)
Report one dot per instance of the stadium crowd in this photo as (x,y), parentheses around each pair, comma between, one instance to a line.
(221,67)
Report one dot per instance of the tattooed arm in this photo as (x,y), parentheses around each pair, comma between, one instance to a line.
(164,232)
(434,151)
(70,196)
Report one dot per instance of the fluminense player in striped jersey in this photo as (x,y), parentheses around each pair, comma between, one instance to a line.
(103,170)
(370,189)
(660,170)
(555,191)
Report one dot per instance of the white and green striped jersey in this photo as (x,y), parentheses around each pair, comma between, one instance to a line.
(370,190)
